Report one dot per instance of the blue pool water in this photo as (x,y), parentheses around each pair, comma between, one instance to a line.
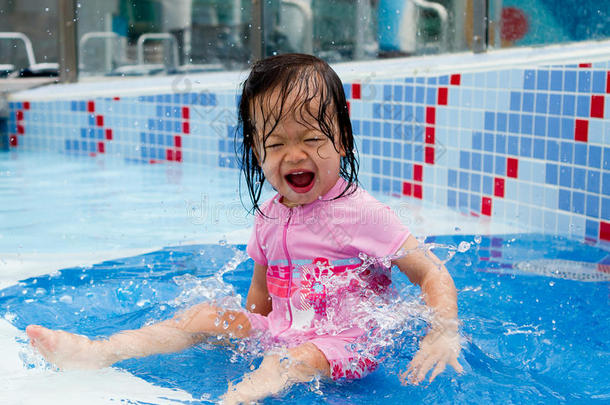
(534,310)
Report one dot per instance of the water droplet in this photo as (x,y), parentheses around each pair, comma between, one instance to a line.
(478,239)
(216,321)
(463,247)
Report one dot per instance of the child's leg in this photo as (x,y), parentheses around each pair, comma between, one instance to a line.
(274,374)
(67,350)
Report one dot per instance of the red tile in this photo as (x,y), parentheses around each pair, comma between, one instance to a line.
(581,130)
(441,98)
(499,187)
(178,141)
(604,230)
(406,188)
(429,155)
(349,108)
(169,154)
(608,81)
(430,115)
(20,129)
(597,106)
(430,135)
(19,115)
(418,172)
(356,91)
(178,156)
(13,141)
(99,120)
(512,167)
(26,105)
(585,65)
(455,79)
(100,147)
(186,128)
(185,113)
(91,106)
(486,206)
(116,98)
(109,134)
(417,191)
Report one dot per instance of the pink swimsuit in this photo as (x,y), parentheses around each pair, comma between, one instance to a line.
(311,253)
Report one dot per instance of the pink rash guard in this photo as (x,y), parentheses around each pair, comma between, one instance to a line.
(304,248)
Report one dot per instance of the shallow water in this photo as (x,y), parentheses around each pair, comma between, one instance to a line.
(528,337)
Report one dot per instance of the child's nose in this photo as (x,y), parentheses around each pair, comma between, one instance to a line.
(295,154)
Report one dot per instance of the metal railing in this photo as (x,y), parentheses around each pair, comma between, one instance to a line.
(158,36)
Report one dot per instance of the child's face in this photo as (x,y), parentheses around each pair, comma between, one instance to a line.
(298,160)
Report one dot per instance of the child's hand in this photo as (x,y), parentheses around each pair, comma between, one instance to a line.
(436,349)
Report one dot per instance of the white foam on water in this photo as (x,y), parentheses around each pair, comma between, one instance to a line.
(43,385)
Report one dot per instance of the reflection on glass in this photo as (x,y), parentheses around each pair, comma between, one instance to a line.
(541,22)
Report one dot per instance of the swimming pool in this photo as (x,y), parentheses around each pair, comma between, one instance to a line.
(98,245)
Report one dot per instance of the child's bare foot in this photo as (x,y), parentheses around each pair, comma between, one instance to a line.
(67,350)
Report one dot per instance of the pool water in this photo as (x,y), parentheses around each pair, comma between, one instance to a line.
(534,310)
(98,245)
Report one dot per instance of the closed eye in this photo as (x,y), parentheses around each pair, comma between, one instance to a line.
(273,145)
(314,140)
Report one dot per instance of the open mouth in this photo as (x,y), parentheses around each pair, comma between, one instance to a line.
(301,181)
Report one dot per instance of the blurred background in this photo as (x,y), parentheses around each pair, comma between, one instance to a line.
(144,37)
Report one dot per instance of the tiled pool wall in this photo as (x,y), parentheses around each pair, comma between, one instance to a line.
(524,145)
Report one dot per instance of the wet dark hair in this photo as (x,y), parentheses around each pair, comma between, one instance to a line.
(307,79)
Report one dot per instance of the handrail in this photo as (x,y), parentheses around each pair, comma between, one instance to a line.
(91,35)
(162,35)
(28,44)
(442,14)
(307,13)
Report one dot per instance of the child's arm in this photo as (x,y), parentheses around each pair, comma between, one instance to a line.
(258,300)
(441,345)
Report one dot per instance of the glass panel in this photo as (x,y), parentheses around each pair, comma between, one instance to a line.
(28,38)
(366,29)
(540,22)
(130,38)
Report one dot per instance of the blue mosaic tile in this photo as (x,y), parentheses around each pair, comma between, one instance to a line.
(551,174)
(525,147)
(540,125)
(592,229)
(599,82)
(568,104)
(477,141)
(578,202)
(513,145)
(387,131)
(529,79)
(475,161)
(555,104)
(420,94)
(376,147)
(488,142)
(595,156)
(527,124)
(407,170)
(488,163)
(489,121)
(500,143)
(396,169)
(387,148)
(431,95)
(475,203)
(463,180)
(443,80)
(386,167)
(565,176)
(584,81)
(606,183)
(542,79)
(408,94)
(418,154)
(553,127)
(592,206)
(556,80)
(397,150)
(366,146)
(463,200)
(464,160)
(569,80)
(513,123)
(528,102)
(579,178)
(567,128)
(605,212)
(488,185)
(583,106)
(515,101)
(580,154)
(539,151)
(451,198)
(366,128)
(500,166)
(565,200)
(475,182)
(593,180)
(407,151)
(606,161)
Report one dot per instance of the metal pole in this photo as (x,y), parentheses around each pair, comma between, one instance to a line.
(68,58)
(479,26)
(257,30)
